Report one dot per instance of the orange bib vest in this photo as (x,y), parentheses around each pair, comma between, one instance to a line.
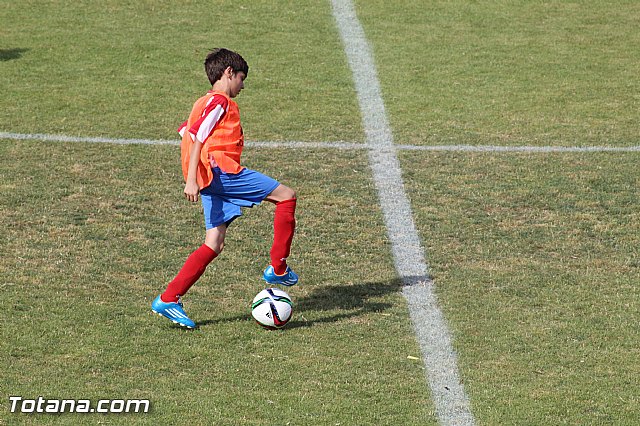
(222,148)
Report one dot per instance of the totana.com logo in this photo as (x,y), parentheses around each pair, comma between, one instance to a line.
(57,406)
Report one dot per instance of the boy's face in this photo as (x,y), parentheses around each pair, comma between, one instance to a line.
(237,83)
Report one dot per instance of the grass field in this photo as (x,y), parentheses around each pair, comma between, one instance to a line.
(537,268)
(534,255)
(87,255)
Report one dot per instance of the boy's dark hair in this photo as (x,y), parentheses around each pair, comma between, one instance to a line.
(219,59)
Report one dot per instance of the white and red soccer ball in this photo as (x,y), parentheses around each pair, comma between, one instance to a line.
(272,308)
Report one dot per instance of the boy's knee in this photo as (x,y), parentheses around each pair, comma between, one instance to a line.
(288,193)
(215,238)
(285,193)
(282,193)
(218,249)
(216,246)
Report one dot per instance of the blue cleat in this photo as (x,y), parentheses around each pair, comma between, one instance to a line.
(289,278)
(173,311)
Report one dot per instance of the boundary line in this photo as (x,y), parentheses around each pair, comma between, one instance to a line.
(432,333)
(329,145)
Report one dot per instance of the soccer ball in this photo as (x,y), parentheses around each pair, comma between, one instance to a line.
(271,308)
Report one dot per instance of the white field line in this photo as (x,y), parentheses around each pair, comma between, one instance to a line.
(328,145)
(432,332)
(118,141)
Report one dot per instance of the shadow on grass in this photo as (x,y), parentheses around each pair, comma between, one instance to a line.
(338,302)
(11,54)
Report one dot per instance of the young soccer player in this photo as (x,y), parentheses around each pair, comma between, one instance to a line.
(212,142)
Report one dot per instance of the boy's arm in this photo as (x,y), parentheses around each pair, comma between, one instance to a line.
(191,188)
(201,130)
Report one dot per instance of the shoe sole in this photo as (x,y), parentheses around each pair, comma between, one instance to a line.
(174,321)
(286,284)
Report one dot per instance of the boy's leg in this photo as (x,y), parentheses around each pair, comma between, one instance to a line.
(196,264)
(249,188)
(284,224)
(168,303)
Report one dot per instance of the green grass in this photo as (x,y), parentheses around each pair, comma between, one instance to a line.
(134,69)
(536,264)
(86,249)
(508,72)
(534,256)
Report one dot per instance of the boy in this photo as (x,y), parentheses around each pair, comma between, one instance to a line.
(212,142)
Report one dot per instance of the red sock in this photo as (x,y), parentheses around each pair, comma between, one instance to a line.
(192,269)
(284,225)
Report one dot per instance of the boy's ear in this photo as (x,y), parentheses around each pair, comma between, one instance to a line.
(228,72)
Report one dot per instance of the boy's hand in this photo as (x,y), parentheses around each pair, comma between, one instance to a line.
(191,191)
